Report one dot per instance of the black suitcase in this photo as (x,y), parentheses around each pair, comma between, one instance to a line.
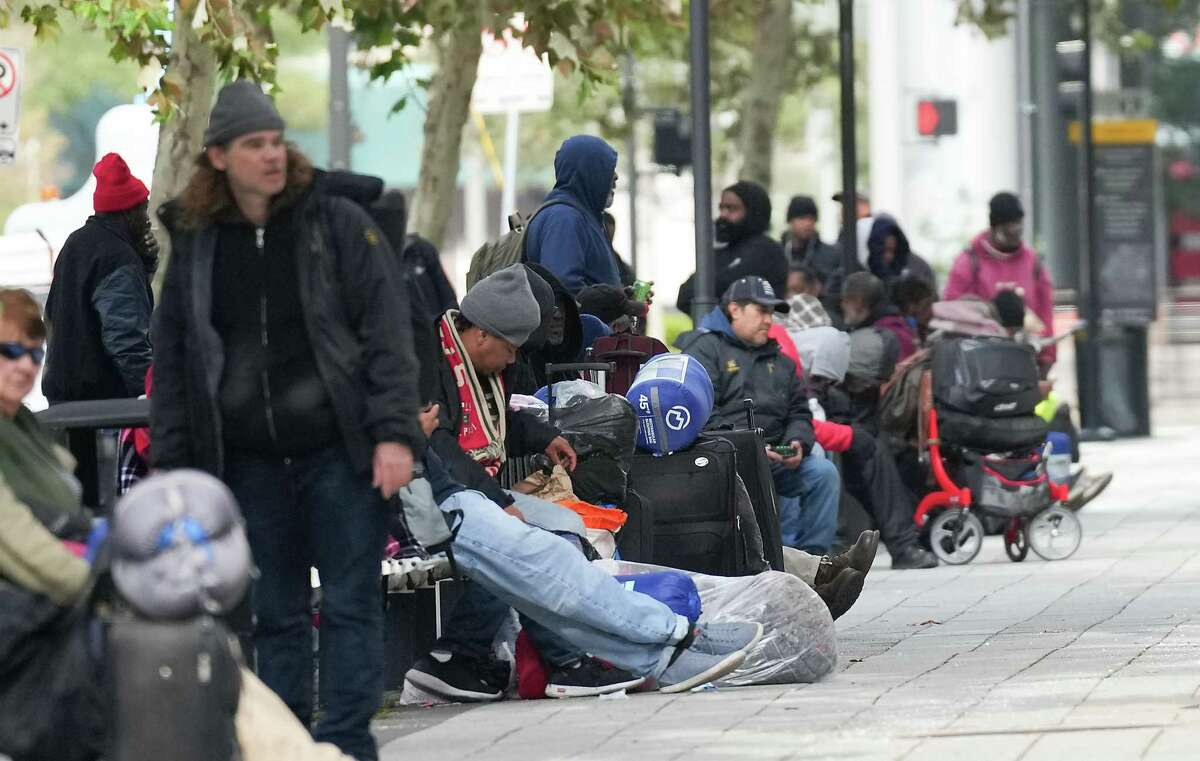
(996,435)
(174,688)
(696,527)
(635,540)
(755,470)
(986,377)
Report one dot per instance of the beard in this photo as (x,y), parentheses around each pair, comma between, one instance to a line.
(729,232)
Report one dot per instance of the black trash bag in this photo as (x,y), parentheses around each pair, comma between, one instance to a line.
(51,693)
(603,433)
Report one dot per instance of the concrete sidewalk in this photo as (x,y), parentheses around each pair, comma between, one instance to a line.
(1094,657)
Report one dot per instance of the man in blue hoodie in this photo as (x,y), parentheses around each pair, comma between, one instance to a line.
(744,362)
(567,237)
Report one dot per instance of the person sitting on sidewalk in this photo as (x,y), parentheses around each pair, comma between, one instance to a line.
(733,345)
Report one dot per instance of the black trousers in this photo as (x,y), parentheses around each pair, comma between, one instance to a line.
(869,473)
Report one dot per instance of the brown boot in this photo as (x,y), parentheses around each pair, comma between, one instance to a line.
(859,557)
(841,593)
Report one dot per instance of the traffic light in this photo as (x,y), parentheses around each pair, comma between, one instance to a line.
(937,118)
(672,139)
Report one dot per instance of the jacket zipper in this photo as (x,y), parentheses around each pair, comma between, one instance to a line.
(260,235)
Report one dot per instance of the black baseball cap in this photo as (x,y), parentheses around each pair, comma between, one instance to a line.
(861,197)
(757,290)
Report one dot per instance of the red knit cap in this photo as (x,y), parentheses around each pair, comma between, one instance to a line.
(116,187)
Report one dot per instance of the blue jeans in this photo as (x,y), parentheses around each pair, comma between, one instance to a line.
(808,504)
(546,578)
(317,511)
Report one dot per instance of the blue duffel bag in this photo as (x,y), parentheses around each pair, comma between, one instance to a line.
(674,589)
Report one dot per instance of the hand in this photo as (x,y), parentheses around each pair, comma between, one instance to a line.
(429,419)
(793,462)
(515,512)
(772,455)
(561,453)
(393,466)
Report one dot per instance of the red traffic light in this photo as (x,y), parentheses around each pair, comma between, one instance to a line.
(937,118)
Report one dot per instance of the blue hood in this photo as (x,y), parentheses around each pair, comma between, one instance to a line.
(716,322)
(583,171)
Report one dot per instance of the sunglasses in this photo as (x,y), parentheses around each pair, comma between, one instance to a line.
(15,351)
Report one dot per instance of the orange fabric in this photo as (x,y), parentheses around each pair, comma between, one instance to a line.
(607,518)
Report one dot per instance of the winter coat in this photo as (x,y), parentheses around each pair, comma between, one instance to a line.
(528,373)
(568,238)
(357,327)
(983,271)
(526,435)
(824,258)
(31,556)
(756,255)
(905,263)
(762,373)
(98,314)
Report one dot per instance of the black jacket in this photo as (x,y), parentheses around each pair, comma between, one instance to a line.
(528,373)
(755,255)
(526,435)
(905,262)
(98,314)
(357,324)
(762,373)
(824,258)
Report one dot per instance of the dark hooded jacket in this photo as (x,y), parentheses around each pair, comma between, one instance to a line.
(906,263)
(568,238)
(824,258)
(528,373)
(357,341)
(99,315)
(740,371)
(748,250)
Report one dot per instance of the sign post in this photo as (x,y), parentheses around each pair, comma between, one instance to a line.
(512,79)
(10,102)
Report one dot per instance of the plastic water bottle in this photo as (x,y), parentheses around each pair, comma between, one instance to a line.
(1058,463)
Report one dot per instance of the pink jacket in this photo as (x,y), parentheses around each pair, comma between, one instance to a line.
(981,271)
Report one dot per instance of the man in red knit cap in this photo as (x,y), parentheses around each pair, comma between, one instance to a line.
(98,311)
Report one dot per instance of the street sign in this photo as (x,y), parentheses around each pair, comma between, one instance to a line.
(512,78)
(10,91)
(8,151)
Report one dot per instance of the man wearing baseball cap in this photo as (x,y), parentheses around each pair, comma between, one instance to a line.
(744,362)
(99,306)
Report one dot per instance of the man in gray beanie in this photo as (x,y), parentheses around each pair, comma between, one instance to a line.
(284,365)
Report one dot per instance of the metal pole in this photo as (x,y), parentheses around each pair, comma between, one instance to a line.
(508,196)
(705,297)
(339,98)
(1025,111)
(849,138)
(1088,369)
(631,121)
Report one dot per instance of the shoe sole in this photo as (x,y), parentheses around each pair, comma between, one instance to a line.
(1087,495)
(432,684)
(727,664)
(846,597)
(567,691)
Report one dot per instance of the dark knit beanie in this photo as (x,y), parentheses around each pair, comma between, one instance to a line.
(802,206)
(1010,308)
(242,107)
(1004,208)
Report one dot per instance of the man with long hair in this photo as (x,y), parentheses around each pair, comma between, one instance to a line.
(284,365)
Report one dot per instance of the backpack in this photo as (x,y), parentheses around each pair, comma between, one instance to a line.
(986,377)
(506,250)
(900,402)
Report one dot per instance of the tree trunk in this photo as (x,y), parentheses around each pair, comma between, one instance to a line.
(458,54)
(768,80)
(181,139)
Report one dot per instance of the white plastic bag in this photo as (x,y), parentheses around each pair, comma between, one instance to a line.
(799,643)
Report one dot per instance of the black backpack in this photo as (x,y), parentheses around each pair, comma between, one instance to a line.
(986,377)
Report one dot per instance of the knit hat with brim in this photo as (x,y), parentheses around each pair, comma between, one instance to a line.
(242,107)
(503,305)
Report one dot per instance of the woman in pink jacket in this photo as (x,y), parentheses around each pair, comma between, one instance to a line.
(997,260)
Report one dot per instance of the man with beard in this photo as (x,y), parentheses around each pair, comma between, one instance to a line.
(998,260)
(742,223)
(99,306)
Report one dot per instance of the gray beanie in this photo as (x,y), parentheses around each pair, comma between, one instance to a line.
(503,304)
(242,107)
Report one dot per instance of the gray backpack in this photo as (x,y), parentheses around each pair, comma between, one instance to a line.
(506,250)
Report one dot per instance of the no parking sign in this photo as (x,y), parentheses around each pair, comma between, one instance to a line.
(10,102)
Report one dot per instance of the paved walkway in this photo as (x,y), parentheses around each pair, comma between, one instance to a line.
(1095,657)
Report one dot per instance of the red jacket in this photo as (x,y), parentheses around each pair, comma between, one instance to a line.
(833,437)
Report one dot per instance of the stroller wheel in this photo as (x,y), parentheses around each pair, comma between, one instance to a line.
(1016,540)
(1055,533)
(956,536)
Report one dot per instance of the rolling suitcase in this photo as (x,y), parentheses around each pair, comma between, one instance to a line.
(755,470)
(174,687)
(635,541)
(696,526)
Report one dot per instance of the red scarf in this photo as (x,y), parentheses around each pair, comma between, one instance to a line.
(481,434)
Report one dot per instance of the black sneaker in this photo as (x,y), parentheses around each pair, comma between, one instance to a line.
(590,677)
(456,677)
